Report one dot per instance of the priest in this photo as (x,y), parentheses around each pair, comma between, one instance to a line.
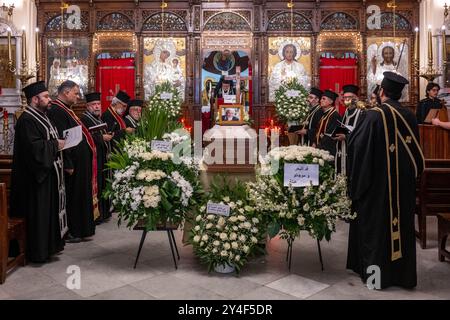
(98,129)
(113,117)
(307,133)
(328,122)
(37,181)
(351,117)
(134,113)
(80,166)
(385,160)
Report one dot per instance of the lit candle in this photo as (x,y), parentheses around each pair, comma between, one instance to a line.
(9,45)
(444,46)
(430,44)
(37,46)
(24,45)
(416,45)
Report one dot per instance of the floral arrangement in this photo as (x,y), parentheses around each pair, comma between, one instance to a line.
(226,240)
(291,108)
(289,210)
(172,106)
(150,186)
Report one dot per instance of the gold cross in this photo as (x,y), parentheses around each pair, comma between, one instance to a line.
(408,139)
(395,221)
(392,148)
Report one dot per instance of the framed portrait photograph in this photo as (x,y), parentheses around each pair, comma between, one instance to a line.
(387,54)
(231,115)
(289,58)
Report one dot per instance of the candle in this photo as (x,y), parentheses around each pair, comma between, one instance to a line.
(416,45)
(430,45)
(37,46)
(9,45)
(444,47)
(24,45)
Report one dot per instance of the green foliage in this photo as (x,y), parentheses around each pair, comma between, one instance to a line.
(154,123)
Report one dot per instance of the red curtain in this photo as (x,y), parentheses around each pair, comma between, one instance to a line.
(114,75)
(335,73)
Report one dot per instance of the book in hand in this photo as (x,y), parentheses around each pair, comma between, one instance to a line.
(99,127)
(342,129)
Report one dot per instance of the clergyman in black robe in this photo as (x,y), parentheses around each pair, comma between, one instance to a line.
(350,119)
(37,188)
(430,102)
(91,119)
(384,161)
(134,113)
(113,118)
(307,132)
(327,124)
(78,166)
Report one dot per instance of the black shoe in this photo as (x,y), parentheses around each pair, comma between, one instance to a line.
(72,239)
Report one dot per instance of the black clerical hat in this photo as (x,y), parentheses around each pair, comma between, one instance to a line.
(316,91)
(93,96)
(123,96)
(376,91)
(330,94)
(34,89)
(350,88)
(393,82)
(135,103)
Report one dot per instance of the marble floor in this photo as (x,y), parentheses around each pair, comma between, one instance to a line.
(106,265)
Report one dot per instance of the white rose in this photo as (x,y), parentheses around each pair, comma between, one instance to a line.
(226,246)
(237,258)
(214,250)
(242,238)
(246,249)
(224,253)
(241,218)
(197,228)
(209,226)
(210,217)
(255,220)
(233,219)
(198,218)
(233,236)
(254,240)
(234,245)
(216,243)
(205,237)
(196,238)
(223,236)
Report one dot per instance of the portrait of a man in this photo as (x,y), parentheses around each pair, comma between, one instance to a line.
(386,55)
(289,66)
(231,114)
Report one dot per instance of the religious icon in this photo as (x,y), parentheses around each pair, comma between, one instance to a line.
(67,60)
(164,60)
(387,54)
(289,58)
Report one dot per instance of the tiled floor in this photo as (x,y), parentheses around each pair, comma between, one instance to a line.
(106,265)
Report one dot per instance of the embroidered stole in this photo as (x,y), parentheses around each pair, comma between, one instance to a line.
(340,160)
(133,122)
(118,118)
(58,166)
(91,144)
(397,130)
(308,121)
(323,124)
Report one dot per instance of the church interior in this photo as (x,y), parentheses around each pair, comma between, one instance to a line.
(238,78)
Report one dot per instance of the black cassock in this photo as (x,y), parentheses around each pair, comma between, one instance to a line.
(103,148)
(383,233)
(36,172)
(310,124)
(424,106)
(116,125)
(325,127)
(80,211)
(351,118)
(130,122)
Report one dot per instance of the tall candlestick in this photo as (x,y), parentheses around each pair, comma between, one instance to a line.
(430,47)
(444,47)
(416,45)
(9,45)
(37,47)
(24,45)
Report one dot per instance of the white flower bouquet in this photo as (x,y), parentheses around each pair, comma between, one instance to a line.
(172,106)
(291,102)
(226,240)
(149,187)
(288,209)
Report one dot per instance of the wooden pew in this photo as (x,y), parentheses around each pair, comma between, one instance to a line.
(433,197)
(10,229)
